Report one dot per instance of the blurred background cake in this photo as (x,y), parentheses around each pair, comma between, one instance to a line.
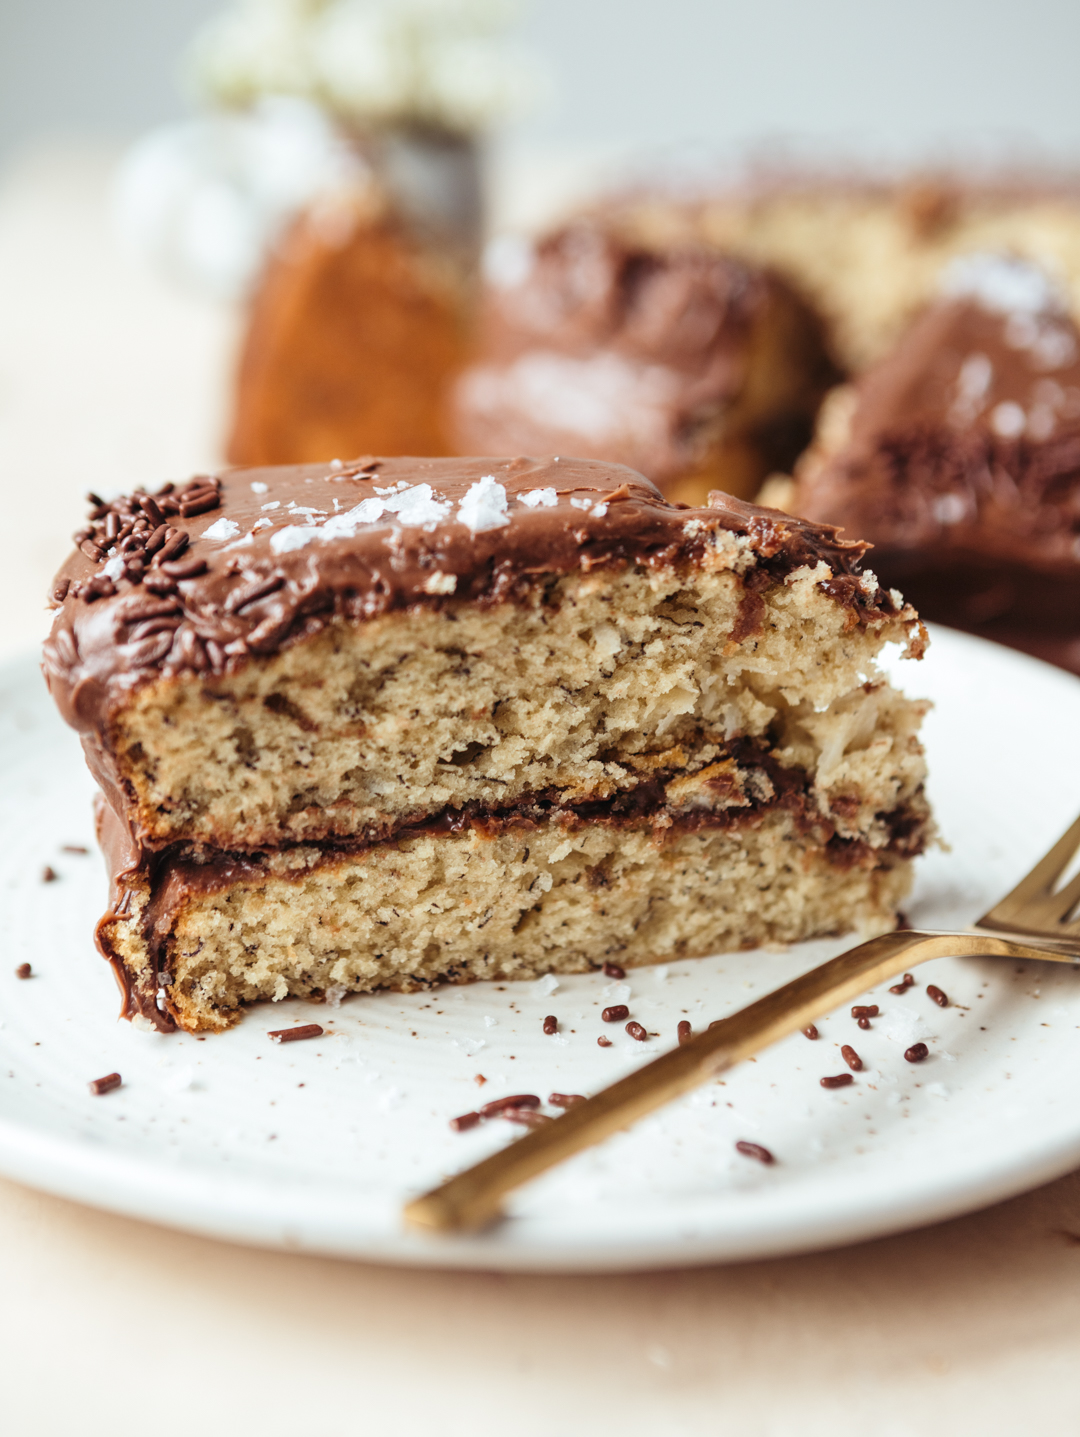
(361,314)
(957,455)
(701,371)
(868,247)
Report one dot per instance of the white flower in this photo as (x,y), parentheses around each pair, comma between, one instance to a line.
(442,63)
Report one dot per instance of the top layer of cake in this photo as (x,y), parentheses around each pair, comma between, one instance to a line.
(652,356)
(269,556)
(967,437)
(341,653)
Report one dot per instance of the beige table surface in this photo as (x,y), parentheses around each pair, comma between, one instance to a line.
(109,1326)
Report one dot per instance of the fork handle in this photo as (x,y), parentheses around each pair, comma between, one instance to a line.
(473,1198)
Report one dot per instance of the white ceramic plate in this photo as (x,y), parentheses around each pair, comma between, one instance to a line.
(315,1145)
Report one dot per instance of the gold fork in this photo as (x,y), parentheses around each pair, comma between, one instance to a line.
(1040,918)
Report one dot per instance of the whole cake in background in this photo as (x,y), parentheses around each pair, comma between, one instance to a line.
(396,722)
(700,371)
(958,457)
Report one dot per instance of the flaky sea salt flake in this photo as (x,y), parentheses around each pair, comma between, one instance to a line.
(539,498)
(484,506)
(222,529)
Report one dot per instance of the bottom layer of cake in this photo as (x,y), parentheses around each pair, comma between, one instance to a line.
(203,940)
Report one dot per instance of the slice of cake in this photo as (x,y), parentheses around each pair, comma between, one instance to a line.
(408,721)
(698,370)
(958,457)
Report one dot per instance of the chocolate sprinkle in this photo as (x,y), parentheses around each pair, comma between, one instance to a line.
(864,1023)
(636,1031)
(499,1106)
(551,1024)
(916,1053)
(851,1058)
(465,1122)
(905,983)
(612,970)
(840,1081)
(811,1032)
(684,1031)
(184,568)
(526,1117)
(755,1150)
(935,993)
(869,1010)
(295,1035)
(603,1042)
(616,1013)
(105,1084)
(48,875)
(24,971)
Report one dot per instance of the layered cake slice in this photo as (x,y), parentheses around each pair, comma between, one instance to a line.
(407,721)
(700,371)
(958,457)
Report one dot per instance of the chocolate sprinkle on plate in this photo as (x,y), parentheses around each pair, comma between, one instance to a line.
(551,1024)
(73,848)
(867,1010)
(636,1031)
(811,1032)
(684,1031)
(498,1106)
(616,1013)
(851,1058)
(465,1122)
(603,1042)
(565,1100)
(24,971)
(841,1080)
(525,1117)
(755,1150)
(105,1084)
(935,993)
(612,970)
(916,1053)
(295,1035)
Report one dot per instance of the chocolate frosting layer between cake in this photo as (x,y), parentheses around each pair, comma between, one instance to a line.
(259,559)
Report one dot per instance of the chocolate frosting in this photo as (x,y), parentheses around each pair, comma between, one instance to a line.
(262,558)
(614,350)
(964,445)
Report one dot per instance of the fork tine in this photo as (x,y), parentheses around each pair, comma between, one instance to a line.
(1039,883)
(1052,910)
